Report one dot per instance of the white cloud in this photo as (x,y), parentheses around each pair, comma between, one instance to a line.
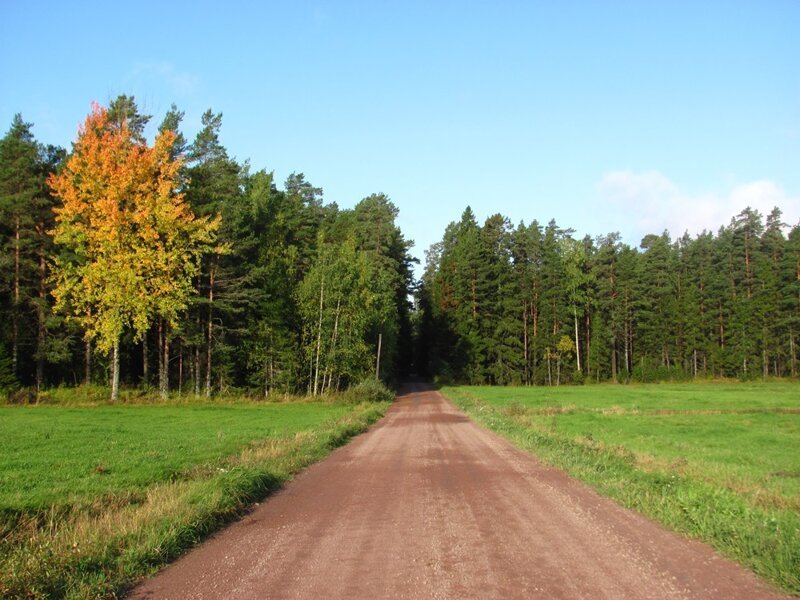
(651,203)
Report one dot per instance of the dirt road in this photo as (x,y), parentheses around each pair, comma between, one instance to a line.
(429,505)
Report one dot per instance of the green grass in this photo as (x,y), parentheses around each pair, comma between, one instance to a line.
(719,462)
(94,497)
(733,397)
(55,455)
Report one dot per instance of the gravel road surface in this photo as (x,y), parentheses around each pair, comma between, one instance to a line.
(429,505)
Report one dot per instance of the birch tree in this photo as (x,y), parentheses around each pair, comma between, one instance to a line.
(131,243)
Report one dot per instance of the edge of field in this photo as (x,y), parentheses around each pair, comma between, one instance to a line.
(104,552)
(765,541)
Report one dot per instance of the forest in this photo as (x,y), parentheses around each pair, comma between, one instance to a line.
(533,305)
(170,265)
(173,266)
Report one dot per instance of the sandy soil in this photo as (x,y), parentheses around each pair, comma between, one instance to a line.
(429,505)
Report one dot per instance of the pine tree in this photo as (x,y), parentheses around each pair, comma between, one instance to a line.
(26,214)
(790,296)
(657,308)
(215,184)
(500,308)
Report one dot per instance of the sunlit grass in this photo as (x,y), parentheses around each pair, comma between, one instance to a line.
(51,455)
(92,498)
(718,462)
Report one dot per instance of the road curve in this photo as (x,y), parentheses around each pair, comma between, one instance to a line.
(429,505)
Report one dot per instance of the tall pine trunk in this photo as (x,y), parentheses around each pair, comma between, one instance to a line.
(525,342)
(588,355)
(41,334)
(614,377)
(180,366)
(164,384)
(15,312)
(577,340)
(196,357)
(210,332)
(535,344)
(474,297)
(628,336)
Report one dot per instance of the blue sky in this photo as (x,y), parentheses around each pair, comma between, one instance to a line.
(607,116)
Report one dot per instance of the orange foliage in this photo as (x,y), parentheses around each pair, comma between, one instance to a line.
(132,242)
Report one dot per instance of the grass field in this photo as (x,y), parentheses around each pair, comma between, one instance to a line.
(720,462)
(51,455)
(91,498)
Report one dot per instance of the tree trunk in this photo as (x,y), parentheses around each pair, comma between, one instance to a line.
(549,372)
(628,337)
(180,367)
(87,358)
(310,369)
(196,357)
(332,353)
(525,342)
(163,367)
(792,355)
(588,354)
(319,337)
(160,350)
(41,336)
(145,361)
(577,340)
(626,349)
(15,316)
(165,386)
(555,319)
(747,262)
(614,377)
(210,332)
(535,348)
(378,363)
(474,299)
(115,373)
(269,373)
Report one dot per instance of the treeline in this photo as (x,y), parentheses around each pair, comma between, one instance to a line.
(285,293)
(534,305)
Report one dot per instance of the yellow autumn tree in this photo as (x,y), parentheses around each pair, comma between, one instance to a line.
(130,244)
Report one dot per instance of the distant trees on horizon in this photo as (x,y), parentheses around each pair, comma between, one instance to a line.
(533,305)
(174,265)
